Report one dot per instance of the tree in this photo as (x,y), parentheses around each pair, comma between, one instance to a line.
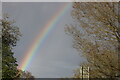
(10,36)
(97,37)
(10,32)
(26,75)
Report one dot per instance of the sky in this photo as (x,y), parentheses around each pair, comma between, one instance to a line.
(57,58)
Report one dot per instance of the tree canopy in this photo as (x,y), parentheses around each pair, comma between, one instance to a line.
(97,37)
(10,36)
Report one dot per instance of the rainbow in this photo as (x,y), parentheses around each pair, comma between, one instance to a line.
(42,36)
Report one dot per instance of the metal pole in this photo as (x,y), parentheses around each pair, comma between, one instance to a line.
(82,72)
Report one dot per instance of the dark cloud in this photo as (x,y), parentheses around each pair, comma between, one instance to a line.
(56,58)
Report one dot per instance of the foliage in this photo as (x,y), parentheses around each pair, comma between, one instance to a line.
(10,36)
(97,37)
(9,65)
(10,32)
(26,75)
